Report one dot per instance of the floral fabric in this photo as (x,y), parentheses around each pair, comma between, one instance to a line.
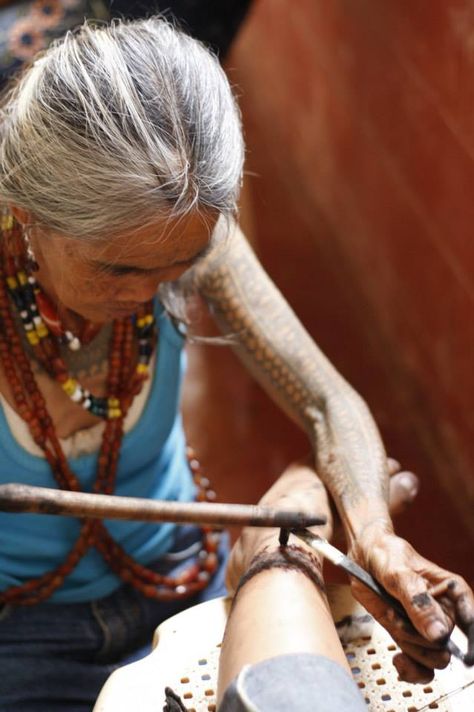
(28,27)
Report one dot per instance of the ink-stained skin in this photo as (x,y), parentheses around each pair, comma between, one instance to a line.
(422,600)
(350,620)
(287,558)
(349,455)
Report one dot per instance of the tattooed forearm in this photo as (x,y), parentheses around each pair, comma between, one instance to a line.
(350,456)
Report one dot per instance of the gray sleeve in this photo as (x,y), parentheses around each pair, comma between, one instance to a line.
(298,682)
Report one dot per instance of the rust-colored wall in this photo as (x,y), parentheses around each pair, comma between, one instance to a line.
(360,129)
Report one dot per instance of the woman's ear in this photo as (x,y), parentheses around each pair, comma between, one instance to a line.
(21,215)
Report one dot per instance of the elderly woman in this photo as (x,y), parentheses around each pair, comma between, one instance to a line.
(121,159)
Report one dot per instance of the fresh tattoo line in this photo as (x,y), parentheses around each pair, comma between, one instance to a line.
(287,558)
(350,457)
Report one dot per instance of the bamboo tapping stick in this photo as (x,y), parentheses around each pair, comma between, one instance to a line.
(42,500)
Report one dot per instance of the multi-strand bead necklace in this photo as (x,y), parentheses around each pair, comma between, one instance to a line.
(131,347)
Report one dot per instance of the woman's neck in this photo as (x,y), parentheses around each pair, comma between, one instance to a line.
(69,319)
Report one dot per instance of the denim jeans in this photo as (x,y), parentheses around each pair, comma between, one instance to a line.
(298,682)
(56,657)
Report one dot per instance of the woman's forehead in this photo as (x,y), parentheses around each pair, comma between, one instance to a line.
(157,244)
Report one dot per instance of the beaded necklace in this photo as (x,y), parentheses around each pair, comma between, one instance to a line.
(27,297)
(126,375)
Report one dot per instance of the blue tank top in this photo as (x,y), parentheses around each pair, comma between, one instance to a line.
(152,464)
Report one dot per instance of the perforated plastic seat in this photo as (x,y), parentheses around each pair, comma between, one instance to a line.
(186,654)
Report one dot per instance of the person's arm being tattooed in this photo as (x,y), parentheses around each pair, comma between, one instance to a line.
(349,454)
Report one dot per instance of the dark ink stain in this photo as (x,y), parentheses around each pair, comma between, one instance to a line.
(290,558)
(349,620)
(422,600)
(45,506)
(283,537)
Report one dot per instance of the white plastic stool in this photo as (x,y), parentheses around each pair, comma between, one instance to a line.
(186,654)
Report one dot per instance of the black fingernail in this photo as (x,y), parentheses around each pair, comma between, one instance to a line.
(469,659)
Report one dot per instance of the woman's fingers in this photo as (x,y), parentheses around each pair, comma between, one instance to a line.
(403,632)
(408,577)
(432,598)
(411,671)
(426,657)
(424,611)
(393,466)
(403,489)
(429,654)
(455,595)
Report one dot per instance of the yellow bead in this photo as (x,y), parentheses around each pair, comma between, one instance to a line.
(22,278)
(12,283)
(113,402)
(69,386)
(7,222)
(114,413)
(142,368)
(145,320)
(41,330)
(32,337)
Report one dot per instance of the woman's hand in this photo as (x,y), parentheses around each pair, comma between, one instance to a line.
(434,599)
(299,488)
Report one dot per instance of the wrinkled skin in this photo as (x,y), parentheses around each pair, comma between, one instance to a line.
(435,600)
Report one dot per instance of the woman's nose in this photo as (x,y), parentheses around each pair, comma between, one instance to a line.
(142,289)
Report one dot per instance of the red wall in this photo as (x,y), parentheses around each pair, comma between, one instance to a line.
(359,119)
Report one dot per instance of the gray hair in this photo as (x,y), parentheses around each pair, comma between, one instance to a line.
(115,126)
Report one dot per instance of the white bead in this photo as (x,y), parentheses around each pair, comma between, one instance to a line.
(87,403)
(73,342)
(77,395)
